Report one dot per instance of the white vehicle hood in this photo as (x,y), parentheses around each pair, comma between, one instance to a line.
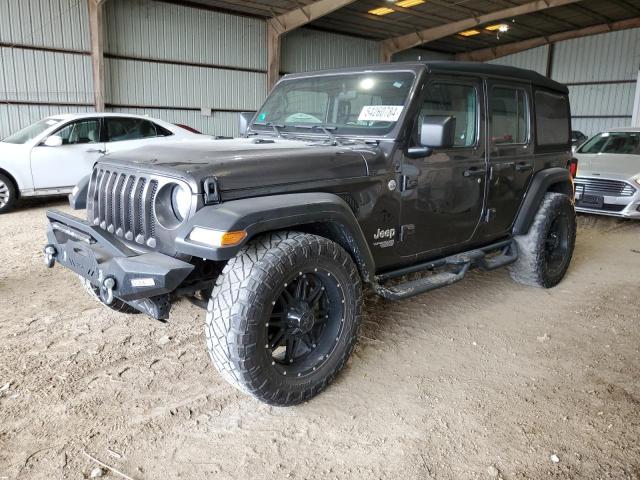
(615,166)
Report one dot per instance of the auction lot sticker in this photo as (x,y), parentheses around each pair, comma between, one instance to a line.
(380,113)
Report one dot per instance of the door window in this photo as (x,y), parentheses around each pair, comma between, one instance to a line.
(80,132)
(509,112)
(458,101)
(124,128)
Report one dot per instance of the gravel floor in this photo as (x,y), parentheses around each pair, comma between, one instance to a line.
(484,379)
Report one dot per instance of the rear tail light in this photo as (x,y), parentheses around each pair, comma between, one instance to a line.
(573,167)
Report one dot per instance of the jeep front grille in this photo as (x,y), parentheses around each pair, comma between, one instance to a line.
(605,187)
(122,204)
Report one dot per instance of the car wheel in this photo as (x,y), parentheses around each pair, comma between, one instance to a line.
(545,252)
(8,194)
(117,305)
(284,315)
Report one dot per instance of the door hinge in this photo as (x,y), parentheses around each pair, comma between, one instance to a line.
(489,215)
(406,230)
(408,183)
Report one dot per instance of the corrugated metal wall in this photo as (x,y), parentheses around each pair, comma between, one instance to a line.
(45,23)
(305,49)
(601,73)
(415,54)
(35,79)
(534,59)
(182,63)
(172,62)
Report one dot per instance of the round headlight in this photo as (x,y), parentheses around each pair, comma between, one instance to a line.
(181,202)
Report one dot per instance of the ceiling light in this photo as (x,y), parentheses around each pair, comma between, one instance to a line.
(381,11)
(409,3)
(469,33)
(501,27)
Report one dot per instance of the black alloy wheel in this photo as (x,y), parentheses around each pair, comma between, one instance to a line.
(305,322)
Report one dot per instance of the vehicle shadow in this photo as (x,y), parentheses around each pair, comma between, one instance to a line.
(32,203)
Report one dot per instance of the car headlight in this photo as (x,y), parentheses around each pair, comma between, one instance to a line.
(173,205)
(637,179)
(180,202)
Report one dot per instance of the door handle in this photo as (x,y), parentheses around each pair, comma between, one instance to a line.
(97,150)
(474,172)
(522,167)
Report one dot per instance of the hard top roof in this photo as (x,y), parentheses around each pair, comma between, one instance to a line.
(448,67)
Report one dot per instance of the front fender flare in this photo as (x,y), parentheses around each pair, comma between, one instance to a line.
(278,212)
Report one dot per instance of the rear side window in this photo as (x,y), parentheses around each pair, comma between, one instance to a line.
(458,101)
(509,112)
(552,118)
(122,129)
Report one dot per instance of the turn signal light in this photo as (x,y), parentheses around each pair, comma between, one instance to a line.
(229,239)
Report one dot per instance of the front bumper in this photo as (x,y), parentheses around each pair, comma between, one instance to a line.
(614,206)
(141,278)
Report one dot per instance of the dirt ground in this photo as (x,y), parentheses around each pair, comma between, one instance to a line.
(483,379)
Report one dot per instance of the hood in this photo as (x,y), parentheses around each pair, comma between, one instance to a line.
(243,163)
(607,165)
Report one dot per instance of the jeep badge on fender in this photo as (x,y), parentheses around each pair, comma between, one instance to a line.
(343,180)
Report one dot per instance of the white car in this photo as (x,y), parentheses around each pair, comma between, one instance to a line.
(608,179)
(51,156)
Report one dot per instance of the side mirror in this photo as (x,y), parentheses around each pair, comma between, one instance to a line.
(438,131)
(53,141)
(244,120)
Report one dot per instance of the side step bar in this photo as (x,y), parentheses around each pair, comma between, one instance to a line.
(505,252)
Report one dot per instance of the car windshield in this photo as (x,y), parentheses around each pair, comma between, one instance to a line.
(32,131)
(353,104)
(623,143)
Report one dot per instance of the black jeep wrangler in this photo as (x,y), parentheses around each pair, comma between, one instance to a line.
(343,179)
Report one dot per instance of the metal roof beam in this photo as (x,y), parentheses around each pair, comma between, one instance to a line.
(405,42)
(486,54)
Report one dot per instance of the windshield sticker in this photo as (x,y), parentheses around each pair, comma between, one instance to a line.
(398,84)
(262,117)
(380,113)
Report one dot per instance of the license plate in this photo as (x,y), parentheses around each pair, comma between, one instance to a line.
(591,201)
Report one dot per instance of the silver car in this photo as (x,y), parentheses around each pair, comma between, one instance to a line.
(608,178)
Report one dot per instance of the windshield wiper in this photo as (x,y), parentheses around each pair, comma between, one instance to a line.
(275,126)
(326,129)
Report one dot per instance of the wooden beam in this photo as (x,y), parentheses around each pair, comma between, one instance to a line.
(486,54)
(96,28)
(404,42)
(304,14)
(285,22)
(273,56)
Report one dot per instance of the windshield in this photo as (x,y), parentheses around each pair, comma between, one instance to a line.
(32,131)
(352,104)
(625,143)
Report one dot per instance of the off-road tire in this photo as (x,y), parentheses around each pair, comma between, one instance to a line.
(241,303)
(8,194)
(117,305)
(532,267)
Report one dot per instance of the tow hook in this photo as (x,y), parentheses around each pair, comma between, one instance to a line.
(49,256)
(106,292)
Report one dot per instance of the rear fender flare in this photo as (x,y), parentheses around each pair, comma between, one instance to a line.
(555,179)
(322,213)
